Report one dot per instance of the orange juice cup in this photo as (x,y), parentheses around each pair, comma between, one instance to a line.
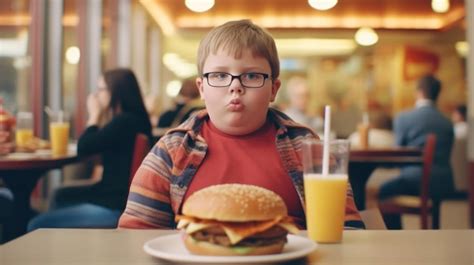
(24,129)
(59,134)
(325,195)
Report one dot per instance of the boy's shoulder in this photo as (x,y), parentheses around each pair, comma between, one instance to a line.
(189,128)
(290,126)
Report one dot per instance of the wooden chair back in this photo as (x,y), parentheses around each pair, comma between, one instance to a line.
(425,204)
(421,205)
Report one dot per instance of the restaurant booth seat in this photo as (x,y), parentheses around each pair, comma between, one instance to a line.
(419,205)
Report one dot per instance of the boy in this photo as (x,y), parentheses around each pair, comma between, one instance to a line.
(237,139)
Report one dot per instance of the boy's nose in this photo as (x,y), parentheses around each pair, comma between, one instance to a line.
(236,87)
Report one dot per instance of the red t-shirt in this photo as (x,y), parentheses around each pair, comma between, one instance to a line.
(248,159)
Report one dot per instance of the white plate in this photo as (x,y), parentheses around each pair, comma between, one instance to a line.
(171,247)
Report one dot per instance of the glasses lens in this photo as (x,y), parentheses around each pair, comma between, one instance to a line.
(252,79)
(219,79)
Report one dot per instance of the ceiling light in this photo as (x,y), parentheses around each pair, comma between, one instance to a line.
(173,87)
(160,15)
(179,66)
(440,6)
(73,54)
(366,36)
(322,4)
(14,47)
(311,47)
(462,48)
(199,5)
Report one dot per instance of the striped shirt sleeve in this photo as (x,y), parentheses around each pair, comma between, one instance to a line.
(352,217)
(149,204)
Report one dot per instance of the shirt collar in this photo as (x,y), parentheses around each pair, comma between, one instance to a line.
(423,103)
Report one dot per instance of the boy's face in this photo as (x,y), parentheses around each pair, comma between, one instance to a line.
(236,109)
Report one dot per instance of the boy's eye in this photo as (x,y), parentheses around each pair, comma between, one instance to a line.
(219,76)
(251,76)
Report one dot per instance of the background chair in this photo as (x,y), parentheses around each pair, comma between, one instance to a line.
(421,205)
(141,149)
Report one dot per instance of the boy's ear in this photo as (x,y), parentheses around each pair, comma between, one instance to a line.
(199,84)
(275,87)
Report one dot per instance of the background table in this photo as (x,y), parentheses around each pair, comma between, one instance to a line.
(21,171)
(98,246)
(363,162)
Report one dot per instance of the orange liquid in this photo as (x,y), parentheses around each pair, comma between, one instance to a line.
(325,206)
(23,136)
(59,137)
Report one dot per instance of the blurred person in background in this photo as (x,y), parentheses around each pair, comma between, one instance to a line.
(459,118)
(297,91)
(116,115)
(459,159)
(380,133)
(186,102)
(411,129)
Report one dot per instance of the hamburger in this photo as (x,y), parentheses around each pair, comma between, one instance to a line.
(235,219)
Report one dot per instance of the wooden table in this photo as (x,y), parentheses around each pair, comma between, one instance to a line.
(99,246)
(21,171)
(364,161)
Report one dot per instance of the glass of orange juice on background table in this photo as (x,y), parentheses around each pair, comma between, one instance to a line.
(325,192)
(59,133)
(24,129)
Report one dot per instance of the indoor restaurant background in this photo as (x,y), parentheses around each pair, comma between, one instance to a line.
(53,51)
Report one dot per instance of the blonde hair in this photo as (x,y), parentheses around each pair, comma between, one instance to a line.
(235,36)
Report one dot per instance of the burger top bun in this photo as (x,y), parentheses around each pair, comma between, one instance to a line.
(235,203)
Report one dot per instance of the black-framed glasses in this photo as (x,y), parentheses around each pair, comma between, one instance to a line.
(222,79)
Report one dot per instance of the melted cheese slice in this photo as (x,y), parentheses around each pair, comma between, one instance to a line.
(234,230)
(290,227)
(194,227)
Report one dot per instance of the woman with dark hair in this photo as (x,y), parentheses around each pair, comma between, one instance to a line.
(116,115)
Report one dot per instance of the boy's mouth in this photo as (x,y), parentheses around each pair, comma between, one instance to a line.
(235,105)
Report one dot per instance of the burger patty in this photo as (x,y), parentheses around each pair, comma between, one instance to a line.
(217,235)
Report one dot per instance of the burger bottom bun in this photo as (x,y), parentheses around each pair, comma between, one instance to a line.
(209,249)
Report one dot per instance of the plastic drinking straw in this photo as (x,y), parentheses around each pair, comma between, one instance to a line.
(60,116)
(327,130)
(48,111)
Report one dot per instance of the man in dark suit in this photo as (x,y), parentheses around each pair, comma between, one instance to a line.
(411,129)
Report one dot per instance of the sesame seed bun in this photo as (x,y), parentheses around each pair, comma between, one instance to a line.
(209,249)
(235,203)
